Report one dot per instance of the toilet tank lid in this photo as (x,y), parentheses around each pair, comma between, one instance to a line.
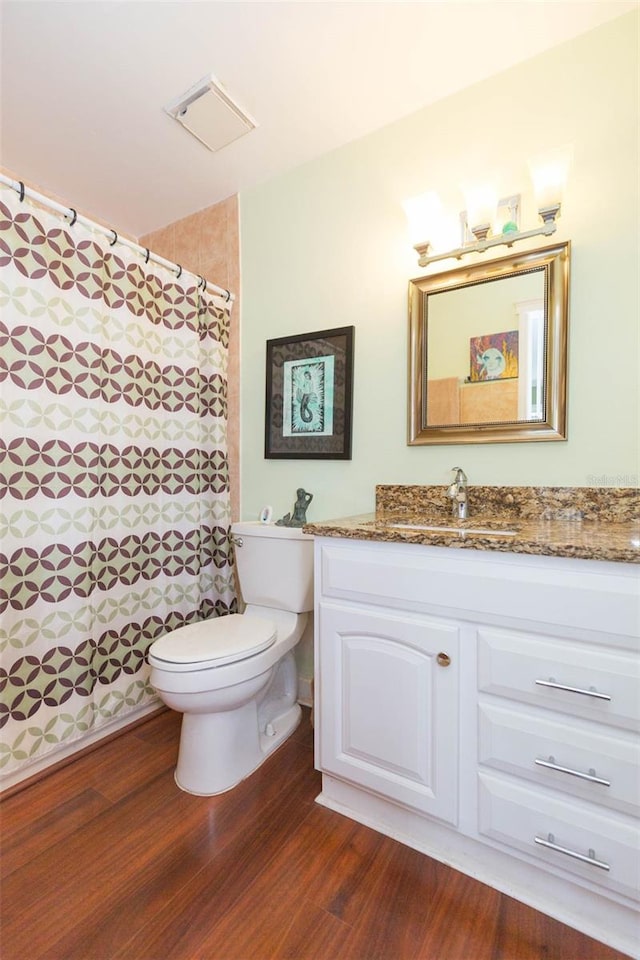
(215,642)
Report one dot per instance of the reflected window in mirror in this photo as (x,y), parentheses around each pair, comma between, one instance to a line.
(530,319)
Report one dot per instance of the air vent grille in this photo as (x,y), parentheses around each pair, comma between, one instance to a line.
(210,114)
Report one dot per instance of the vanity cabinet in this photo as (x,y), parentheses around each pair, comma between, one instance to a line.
(484,708)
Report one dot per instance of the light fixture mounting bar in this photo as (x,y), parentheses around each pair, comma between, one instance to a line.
(547,214)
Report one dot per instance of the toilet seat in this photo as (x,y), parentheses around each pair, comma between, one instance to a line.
(213,643)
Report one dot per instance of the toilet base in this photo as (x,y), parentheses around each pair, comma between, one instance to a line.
(220,750)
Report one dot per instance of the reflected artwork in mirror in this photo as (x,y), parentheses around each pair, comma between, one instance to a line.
(488,350)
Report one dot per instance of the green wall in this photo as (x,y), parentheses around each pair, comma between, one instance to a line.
(327,245)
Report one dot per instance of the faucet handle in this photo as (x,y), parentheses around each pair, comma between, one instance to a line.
(461,476)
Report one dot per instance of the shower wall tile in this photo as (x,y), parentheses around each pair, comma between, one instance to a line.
(186,238)
(214,229)
(216,266)
(163,243)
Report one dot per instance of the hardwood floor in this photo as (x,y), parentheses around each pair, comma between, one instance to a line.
(105,859)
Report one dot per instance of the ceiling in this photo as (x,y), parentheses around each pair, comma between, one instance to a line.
(84,84)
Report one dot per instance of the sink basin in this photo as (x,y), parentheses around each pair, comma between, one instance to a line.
(496,531)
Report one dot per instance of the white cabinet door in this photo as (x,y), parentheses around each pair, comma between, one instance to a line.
(388,708)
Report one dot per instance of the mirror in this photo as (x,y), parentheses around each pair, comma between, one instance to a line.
(488,350)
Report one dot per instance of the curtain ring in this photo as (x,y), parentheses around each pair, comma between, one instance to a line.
(201,280)
(146,259)
(74,217)
(113,242)
(21,191)
(179,273)
(228,296)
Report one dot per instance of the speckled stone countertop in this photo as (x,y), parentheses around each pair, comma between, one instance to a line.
(589,523)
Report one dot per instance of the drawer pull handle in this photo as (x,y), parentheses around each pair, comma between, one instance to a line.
(551,764)
(563,686)
(584,858)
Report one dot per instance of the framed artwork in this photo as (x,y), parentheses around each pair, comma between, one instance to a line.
(309,396)
(494,357)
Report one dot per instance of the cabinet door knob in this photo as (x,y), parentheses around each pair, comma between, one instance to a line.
(443,659)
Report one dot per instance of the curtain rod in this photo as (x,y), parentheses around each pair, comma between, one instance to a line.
(70,214)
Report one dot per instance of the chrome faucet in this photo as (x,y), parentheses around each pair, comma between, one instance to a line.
(458,493)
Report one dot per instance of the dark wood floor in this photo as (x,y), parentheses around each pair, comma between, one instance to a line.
(105,859)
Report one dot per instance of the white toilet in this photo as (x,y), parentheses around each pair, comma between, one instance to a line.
(234,678)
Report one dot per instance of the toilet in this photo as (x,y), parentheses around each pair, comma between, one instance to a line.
(234,678)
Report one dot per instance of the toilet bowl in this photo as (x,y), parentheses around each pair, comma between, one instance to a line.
(234,678)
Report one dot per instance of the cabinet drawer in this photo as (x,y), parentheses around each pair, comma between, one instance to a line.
(572,836)
(577,757)
(585,681)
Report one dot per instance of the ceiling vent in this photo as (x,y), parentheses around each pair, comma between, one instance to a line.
(208,112)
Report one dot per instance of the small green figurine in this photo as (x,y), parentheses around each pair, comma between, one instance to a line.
(299,517)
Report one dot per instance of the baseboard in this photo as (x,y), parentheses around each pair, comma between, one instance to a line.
(305,691)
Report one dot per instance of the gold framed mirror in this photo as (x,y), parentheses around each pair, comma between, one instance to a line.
(488,350)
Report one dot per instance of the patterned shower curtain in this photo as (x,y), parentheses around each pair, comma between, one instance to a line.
(114,491)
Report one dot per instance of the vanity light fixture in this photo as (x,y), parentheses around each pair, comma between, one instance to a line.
(483,241)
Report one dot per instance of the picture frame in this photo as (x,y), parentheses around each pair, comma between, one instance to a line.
(309,396)
(494,356)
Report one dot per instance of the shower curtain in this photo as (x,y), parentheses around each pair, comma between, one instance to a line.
(114,492)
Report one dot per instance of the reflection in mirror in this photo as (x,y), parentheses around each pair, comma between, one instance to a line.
(488,350)
(485,347)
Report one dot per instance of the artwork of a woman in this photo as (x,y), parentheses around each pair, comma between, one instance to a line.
(306,395)
(299,516)
(300,509)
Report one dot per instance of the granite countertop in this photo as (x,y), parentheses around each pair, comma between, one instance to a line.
(585,523)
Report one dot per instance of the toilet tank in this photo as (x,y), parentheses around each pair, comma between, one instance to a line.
(275,565)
